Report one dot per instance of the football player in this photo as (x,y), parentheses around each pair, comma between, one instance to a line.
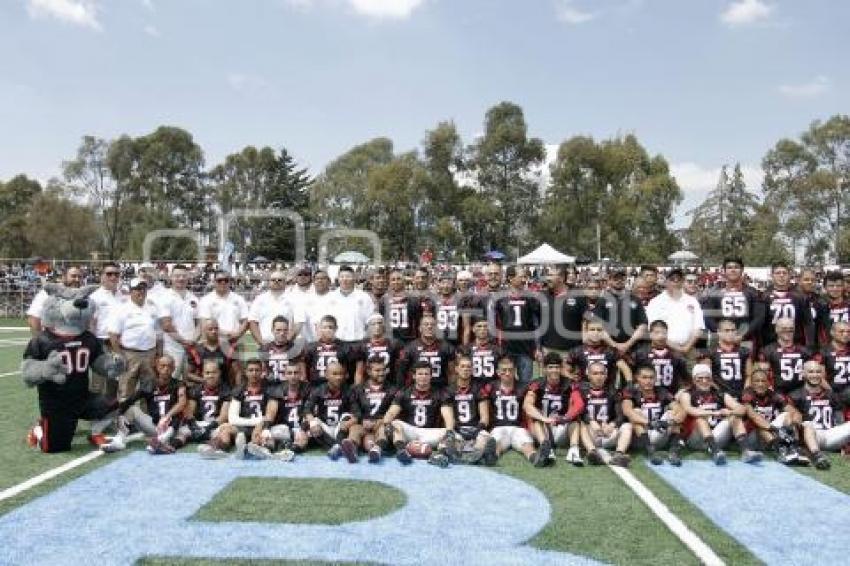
(281,352)
(251,412)
(820,412)
(211,347)
(378,344)
(518,320)
(287,435)
(836,358)
(484,351)
(784,302)
(836,305)
(369,404)
(329,349)
(507,398)
(595,350)
(731,361)
(599,427)
(471,415)
(402,310)
(439,354)
(654,419)
(785,358)
(328,416)
(769,419)
(737,301)
(547,402)
(447,309)
(206,407)
(671,370)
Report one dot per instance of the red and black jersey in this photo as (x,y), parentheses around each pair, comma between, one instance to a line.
(788,304)
(833,311)
(507,405)
(583,356)
(769,404)
(518,320)
(551,399)
(328,405)
(370,402)
(420,408)
(223,355)
(786,366)
(819,407)
(439,354)
(388,349)
(208,402)
(402,313)
(465,402)
(711,399)
(600,405)
(290,408)
(484,359)
(745,306)
(161,399)
(76,353)
(447,311)
(252,400)
(319,355)
(671,370)
(729,369)
(837,364)
(652,405)
(278,357)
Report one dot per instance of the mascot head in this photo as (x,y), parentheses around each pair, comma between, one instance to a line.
(68,311)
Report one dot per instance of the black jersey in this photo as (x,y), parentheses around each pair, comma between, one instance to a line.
(484,359)
(820,408)
(290,409)
(326,405)
(223,356)
(370,402)
(403,314)
(208,402)
(671,370)
(518,321)
(389,350)
(788,304)
(551,399)
(319,355)
(439,355)
(622,313)
(837,364)
(786,366)
(711,399)
(833,311)
(600,405)
(161,399)
(744,306)
(583,356)
(563,314)
(507,405)
(447,311)
(653,404)
(768,404)
(252,400)
(465,402)
(420,408)
(76,354)
(278,357)
(729,369)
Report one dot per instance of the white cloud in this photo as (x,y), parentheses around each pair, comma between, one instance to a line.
(812,89)
(76,12)
(149,5)
(696,181)
(151,31)
(246,83)
(385,9)
(746,12)
(567,12)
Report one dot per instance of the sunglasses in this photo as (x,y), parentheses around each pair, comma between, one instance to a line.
(111,273)
(276,279)
(222,280)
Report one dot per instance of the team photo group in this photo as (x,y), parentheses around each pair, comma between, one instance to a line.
(451,367)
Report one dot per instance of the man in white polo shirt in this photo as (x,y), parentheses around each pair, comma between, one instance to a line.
(225,307)
(72,277)
(178,317)
(351,307)
(106,299)
(316,304)
(132,334)
(681,312)
(271,304)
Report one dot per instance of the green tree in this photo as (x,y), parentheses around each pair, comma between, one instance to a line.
(16,196)
(78,235)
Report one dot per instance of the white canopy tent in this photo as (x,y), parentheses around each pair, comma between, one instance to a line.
(545,254)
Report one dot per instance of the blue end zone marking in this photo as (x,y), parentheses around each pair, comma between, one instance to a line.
(781,516)
(141,505)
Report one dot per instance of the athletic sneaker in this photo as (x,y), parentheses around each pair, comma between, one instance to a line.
(439,459)
(451,447)
(403,456)
(239,446)
(653,456)
(257,452)
(34,436)
(285,455)
(123,425)
(156,447)
(538,459)
(335,452)
(209,452)
(117,444)
(574,456)
(719,457)
(374,455)
(751,456)
(546,452)
(349,450)
(621,460)
(821,461)
(474,457)
(490,453)
(594,458)
(674,458)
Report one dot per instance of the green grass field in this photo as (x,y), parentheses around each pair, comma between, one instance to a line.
(593,513)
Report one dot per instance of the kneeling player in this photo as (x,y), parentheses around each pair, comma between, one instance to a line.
(207,405)
(654,418)
(821,414)
(506,398)
(599,428)
(416,414)
(769,419)
(369,404)
(472,415)
(328,416)
(712,417)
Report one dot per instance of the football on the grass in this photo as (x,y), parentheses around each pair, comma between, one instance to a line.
(418,449)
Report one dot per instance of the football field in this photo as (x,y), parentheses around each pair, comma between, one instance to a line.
(136,508)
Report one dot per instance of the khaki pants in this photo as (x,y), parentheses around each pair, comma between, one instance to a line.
(139,370)
(100,384)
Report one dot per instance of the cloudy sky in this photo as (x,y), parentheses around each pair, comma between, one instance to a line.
(704,82)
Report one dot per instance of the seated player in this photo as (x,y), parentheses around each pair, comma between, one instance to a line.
(471,415)
(212,347)
(547,402)
(328,416)
(599,427)
(416,415)
(287,432)
(784,359)
(328,350)
(820,411)
(484,351)
(206,407)
(165,400)
(281,352)
(249,413)
(593,350)
(768,420)
(369,405)
(378,344)
(654,419)
(730,361)
(506,398)
(712,417)
(671,369)
(836,358)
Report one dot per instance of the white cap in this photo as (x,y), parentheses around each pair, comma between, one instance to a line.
(377,317)
(137,281)
(701,369)
(146,265)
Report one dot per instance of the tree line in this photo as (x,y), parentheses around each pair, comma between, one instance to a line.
(459,199)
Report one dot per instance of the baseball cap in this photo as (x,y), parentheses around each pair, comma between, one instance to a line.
(375,318)
(676,271)
(617,272)
(146,265)
(138,283)
(701,369)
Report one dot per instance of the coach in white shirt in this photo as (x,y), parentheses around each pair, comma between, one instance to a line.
(681,312)
(351,307)
(273,303)
(178,317)
(106,299)
(316,304)
(132,334)
(225,307)
(72,277)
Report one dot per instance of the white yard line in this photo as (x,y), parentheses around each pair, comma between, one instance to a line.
(8,373)
(702,551)
(49,474)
